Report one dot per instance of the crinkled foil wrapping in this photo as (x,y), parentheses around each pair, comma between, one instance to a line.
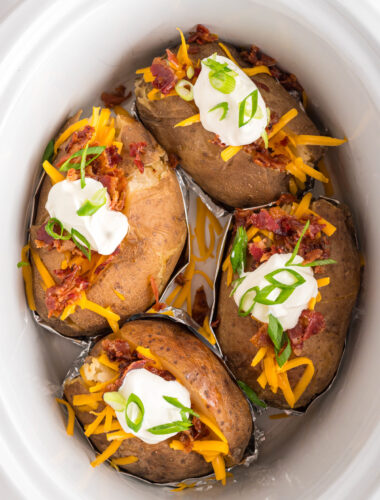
(180,317)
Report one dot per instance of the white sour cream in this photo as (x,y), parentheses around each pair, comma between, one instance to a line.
(151,388)
(104,230)
(206,97)
(289,311)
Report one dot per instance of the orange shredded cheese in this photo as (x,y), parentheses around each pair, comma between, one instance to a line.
(215,429)
(303,206)
(257,70)
(125,460)
(228,53)
(71,416)
(92,427)
(118,294)
(84,303)
(70,130)
(219,469)
(284,120)
(323,282)
(259,356)
(102,385)
(44,273)
(28,280)
(86,399)
(206,331)
(312,303)
(103,359)
(189,121)
(306,376)
(229,152)
(318,140)
(284,385)
(53,173)
(262,380)
(293,187)
(182,54)
(68,310)
(251,232)
(312,172)
(146,352)
(111,436)
(107,453)
(115,426)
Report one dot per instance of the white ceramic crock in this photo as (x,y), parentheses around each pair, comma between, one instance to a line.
(57,56)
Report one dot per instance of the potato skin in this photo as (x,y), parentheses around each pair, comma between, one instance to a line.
(324,349)
(199,369)
(239,182)
(152,247)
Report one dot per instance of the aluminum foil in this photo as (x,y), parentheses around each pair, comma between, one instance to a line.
(179,317)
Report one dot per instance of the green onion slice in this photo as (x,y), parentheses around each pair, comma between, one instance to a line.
(251,395)
(253,108)
(262,295)
(275,331)
(264,137)
(259,113)
(285,355)
(22,263)
(177,404)
(236,284)
(185,90)
(271,278)
(78,239)
(49,151)
(221,76)
(82,168)
(295,251)
(170,428)
(92,205)
(190,72)
(223,106)
(315,263)
(49,228)
(116,400)
(94,150)
(135,426)
(239,251)
(244,298)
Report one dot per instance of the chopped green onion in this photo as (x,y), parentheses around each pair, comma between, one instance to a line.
(190,72)
(222,105)
(299,279)
(22,263)
(259,113)
(253,107)
(241,310)
(170,428)
(49,151)
(236,284)
(268,115)
(177,404)
(275,331)
(295,251)
(221,76)
(49,228)
(317,263)
(92,205)
(239,251)
(78,239)
(82,168)
(251,395)
(262,295)
(115,400)
(264,137)
(94,150)
(133,399)
(285,355)
(187,94)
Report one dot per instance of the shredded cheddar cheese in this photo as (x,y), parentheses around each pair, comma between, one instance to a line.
(189,121)
(257,70)
(146,352)
(102,385)
(229,152)
(86,399)
(228,53)
(44,273)
(84,303)
(303,206)
(125,460)
(118,294)
(219,469)
(107,453)
(111,436)
(215,429)
(259,356)
(103,359)
(323,282)
(53,173)
(318,140)
(70,418)
(310,171)
(93,426)
(69,131)
(284,120)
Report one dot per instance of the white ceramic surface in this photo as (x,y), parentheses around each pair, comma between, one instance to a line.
(56,56)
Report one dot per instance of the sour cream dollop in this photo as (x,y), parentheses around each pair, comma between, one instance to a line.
(289,311)
(151,388)
(206,97)
(104,230)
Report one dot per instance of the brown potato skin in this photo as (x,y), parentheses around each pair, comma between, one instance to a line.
(324,349)
(239,182)
(206,376)
(152,246)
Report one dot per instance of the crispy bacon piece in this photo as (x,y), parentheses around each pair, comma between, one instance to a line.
(201,35)
(180,279)
(173,160)
(135,149)
(43,236)
(200,306)
(263,220)
(286,199)
(165,77)
(309,323)
(59,296)
(112,155)
(261,337)
(77,141)
(255,251)
(115,97)
(216,140)
(172,58)
(118,350)
(197,431)
(215,323)
(256,57)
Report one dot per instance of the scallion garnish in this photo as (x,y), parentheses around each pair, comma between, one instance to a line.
(135,425)
(236,284)
(177,404)
(190,72)
(264,137)
(252,108)
(277,336)
(92,205)
(116,400)
(185,90)
(22,263)
(221,76)
(295,251)
(49,150)
(285,354)
(223,106)
(96,151)
(251,395)
(315,263)
(242,311)
(299,280)
(171,427)
(262,295)
(82,168)
(239,251)
(49,228)
(78,239)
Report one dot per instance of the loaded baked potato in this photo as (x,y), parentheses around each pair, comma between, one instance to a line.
(154,357)
(139,236)
(170,96)
(288,365)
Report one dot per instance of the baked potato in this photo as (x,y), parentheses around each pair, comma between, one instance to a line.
(318,338)
(255,175)
(81,297)
(169,351)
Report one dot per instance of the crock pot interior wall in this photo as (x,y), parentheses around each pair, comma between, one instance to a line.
(61,56)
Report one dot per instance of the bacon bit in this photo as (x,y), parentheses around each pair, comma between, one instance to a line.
(180,279)
(172,58)
(256,57)
(135,149)
(216,140)
(115,97)
(200,306)
(197,431)
(215,323)
(255,251)
(165,374)
(158,305)
(261,337)
(165,76)
(112,155)
(263,220)
(77,141)
(173,160)
(266,159)
(59,296)
(315,254)
(201,35)
(286,199)
(43,236)
(309,323)
(118,350)
(285,141)
(262,86)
